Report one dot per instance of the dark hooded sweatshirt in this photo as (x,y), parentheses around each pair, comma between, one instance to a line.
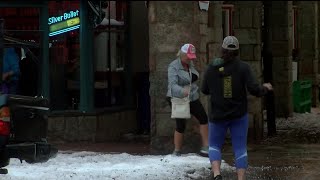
(227,83)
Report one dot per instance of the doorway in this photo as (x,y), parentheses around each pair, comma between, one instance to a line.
(121,61)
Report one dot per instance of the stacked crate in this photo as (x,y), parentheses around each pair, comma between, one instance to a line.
(302,96)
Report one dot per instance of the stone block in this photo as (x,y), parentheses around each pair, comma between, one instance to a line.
(281,69)
(161,103)
(106,127)
(280,33)
(279,4)
(246,14)
(280,49)
(158,84)
(152,62)
(256,17)
(87,128)
(203,29)
(203,18)
(246,51)
(128,121)
(251,120)
(257,52)
(306,67)
(248,36)
(152,12)
(111,127)
(214,35)
(282,107)
(72,129)
(170,37)
(236,19)
(203,43)
(215,15)
(280,16)
(256,69)
(164,59)
(282,91)
(214,50)
(217,35)
(165,125)
(247,3)
(175,12)
(201,62)
(307,42)
(56,124)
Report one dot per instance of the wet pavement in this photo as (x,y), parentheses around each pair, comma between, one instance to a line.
(277,162)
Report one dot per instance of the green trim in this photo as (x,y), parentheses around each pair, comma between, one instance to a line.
(86,65)
(44,27)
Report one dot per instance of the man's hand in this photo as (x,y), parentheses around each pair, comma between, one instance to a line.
(268,86)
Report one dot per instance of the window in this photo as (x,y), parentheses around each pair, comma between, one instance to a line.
(227,13)
(64,55)
(109,56)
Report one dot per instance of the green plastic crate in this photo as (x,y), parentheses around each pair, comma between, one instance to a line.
(302,94)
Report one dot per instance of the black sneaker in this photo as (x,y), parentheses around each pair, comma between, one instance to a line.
(218,177)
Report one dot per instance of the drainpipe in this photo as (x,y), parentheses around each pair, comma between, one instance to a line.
(128,59)
(86,64)
(267,64)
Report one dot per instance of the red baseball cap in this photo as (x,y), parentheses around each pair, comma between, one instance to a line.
(190,50)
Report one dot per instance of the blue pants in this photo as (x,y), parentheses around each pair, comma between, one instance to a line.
(239,131)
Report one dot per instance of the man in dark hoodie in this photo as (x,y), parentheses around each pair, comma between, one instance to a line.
(227,80)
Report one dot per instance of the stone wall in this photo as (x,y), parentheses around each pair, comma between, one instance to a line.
(211,21)
(171,24)
(282,56)
(308,45)
(247,28)
(91,128)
